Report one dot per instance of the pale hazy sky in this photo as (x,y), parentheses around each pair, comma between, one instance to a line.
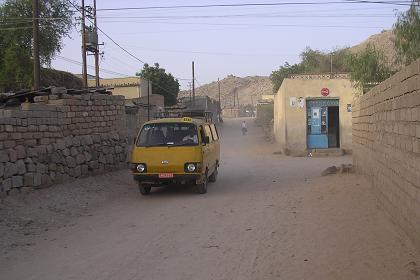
(241,41)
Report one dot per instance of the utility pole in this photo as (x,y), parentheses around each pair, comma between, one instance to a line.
(95,28)
(84,70)
(35,33)
(148,100)
(189,86)
(220,104)
(193,84)
(234,98)
(331,60)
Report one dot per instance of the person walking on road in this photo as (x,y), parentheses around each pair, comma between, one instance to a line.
(244,127)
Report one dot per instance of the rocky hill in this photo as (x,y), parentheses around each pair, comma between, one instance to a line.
(250,89)
(384,42)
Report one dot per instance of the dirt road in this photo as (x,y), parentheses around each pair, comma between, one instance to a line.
(267,217)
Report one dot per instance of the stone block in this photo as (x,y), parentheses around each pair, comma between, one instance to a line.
(50,148)
(4,156)
(84,169)
(88,156)
(76,141)
(12,155)
(37,107)
(46,180)
(7,184)
(71,162)
(94,164)
(74,152)
(30,167)
(21,167)
(10,169)
(9,144)
(80,159)
(20,151)
(17,181)
(44,141)
(52,167)
(41,168)
(58,91)
(41,99)
(28,180)
(69,141)
(55,158)
(9,128)
(30,143)
(60,144)
(37,179)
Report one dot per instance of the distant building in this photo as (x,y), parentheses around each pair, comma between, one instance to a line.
(130,87)
(314,112)
(267,98)
(202,103)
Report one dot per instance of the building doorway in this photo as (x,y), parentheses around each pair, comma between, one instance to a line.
(333,127)
(323,123)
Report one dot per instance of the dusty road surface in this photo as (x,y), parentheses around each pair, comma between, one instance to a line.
(267,217)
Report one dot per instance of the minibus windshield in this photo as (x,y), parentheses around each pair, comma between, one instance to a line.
(168,134)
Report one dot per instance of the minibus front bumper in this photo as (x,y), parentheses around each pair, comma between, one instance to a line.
(195,178)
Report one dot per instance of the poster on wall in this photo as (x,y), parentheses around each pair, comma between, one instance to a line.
(297,102)
(301,102)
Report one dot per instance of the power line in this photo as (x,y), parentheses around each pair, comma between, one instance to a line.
(397,3)
(252,25)
(91,67)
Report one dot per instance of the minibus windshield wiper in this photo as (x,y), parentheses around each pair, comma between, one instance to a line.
(161,144)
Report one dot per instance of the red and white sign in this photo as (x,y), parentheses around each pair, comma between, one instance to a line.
(325,92)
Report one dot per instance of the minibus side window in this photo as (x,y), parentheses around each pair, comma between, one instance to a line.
(202,134)
(208,132)
(214,132)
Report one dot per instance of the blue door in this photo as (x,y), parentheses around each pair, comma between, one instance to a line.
(317,123)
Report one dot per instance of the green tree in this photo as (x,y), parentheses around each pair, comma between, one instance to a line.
(407,34)
(282,73)
(313,61)
(16,38)
(162,83)
(368,68)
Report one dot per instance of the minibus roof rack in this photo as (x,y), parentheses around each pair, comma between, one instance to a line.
(195,114)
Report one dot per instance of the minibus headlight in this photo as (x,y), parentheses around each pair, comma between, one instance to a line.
(191,167)
(141,167)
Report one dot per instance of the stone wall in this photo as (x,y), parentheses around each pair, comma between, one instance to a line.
(57,140)
(386,145)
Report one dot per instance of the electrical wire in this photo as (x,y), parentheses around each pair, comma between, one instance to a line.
(251,25)
(91,67)
(397,3)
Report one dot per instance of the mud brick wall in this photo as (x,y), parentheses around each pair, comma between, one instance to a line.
(386,145)
(58,140)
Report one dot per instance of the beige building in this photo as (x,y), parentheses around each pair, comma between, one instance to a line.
(314,112)
(130,87)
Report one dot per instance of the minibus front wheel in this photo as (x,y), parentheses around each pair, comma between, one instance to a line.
(144,188)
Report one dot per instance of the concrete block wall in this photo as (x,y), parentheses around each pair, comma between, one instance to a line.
(58,140)
(386,145)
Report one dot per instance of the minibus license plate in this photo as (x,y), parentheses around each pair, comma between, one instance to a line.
(166,175)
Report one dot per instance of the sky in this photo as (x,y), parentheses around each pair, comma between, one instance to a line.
(239,40)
